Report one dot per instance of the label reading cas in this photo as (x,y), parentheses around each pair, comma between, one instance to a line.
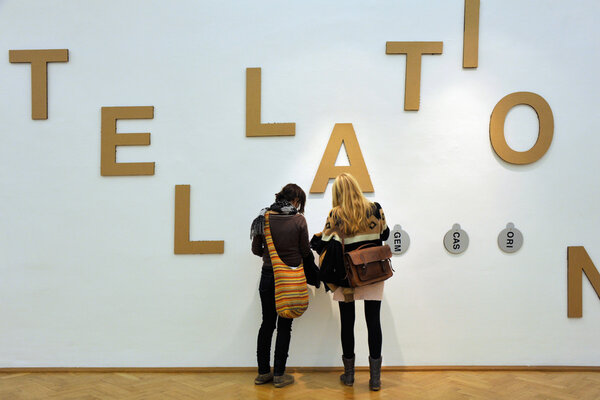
(456,240)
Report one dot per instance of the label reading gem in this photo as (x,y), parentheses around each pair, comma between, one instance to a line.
(398,240)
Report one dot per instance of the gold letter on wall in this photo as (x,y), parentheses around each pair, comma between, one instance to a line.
(342,134)
(39,60)
(182,227)
(579,261)
(546,128)
(111,139)
(471,34)
(413,51)
(253,98)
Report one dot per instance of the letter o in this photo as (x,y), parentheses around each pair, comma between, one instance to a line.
(545,133)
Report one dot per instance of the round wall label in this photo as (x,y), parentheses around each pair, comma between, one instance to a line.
(398,240)
(456,240)
(510,239)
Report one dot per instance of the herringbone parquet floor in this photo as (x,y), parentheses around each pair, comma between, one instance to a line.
(447,385)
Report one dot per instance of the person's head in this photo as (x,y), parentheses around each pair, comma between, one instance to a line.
(350,204)
(294,194)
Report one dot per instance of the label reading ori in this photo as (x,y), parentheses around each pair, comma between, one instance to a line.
(510,239)
(398,240)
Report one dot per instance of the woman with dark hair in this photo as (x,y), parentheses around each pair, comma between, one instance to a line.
(290,238)
(357,222)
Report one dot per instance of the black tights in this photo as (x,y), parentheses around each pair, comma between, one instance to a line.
(270,321)
(347,316)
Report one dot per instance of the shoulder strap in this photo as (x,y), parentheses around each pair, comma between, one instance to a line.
(269,238)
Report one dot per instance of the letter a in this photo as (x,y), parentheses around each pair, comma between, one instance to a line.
(342,134)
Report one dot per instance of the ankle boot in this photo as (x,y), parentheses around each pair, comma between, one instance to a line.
(282,380)
(348,376)
(261,379)
(375,370)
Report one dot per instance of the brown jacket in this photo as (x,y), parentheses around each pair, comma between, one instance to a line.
(290,236)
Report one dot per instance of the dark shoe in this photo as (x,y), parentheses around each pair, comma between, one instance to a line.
(283,380)
(261,379)
(375,370)
(348,376)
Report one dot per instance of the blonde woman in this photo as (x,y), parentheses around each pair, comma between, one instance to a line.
(358,221)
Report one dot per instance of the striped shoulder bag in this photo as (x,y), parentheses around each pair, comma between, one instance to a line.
(291,293)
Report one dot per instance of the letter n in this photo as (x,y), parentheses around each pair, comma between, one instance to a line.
(578,261)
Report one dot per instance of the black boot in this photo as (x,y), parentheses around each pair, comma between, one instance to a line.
(348,376)
(375,370)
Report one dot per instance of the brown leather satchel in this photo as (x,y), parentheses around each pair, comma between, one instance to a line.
(368,264)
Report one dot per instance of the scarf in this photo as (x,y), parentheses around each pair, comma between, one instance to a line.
(281,207)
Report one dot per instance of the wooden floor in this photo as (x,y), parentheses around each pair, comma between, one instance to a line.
(309,385)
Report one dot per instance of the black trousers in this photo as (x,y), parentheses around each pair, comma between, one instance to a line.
(270,321)
(347,317)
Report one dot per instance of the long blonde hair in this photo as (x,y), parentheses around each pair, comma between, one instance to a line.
(350,205)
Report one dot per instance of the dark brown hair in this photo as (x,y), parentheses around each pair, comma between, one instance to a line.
(291,192)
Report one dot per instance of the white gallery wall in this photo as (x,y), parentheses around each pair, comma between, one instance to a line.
(87,271)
